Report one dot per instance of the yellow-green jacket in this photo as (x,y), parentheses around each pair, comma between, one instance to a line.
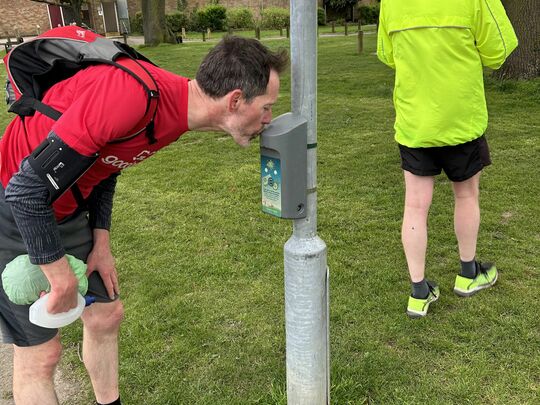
(438,49)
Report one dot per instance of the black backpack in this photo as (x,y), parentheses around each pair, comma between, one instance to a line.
(34,66)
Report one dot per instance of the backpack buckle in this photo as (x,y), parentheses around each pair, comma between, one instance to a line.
(153,94)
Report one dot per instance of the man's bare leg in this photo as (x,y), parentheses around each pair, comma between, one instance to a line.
(100,348)
(467,216)
(33,373)
(418,196)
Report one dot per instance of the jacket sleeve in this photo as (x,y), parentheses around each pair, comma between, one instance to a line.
(385,52)
(100,203)
(494,34)
(28,197)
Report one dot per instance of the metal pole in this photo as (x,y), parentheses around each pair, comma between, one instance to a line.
(306,272)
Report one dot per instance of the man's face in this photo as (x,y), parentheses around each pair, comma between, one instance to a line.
(251,118)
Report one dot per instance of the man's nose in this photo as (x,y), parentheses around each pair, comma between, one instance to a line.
(267,118)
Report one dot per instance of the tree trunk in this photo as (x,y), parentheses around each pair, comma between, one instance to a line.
(76,6)
(524,63)
(153,12)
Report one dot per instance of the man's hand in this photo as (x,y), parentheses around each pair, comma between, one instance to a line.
(64,286)
(101,260)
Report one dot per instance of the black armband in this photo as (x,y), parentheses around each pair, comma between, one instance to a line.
(58,165)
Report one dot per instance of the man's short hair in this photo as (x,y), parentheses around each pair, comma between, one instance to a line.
(239,63)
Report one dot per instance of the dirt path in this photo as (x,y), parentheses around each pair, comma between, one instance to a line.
(70,392)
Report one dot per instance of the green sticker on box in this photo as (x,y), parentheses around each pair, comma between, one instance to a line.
(271,185)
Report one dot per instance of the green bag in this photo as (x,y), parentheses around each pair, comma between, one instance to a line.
(24,281)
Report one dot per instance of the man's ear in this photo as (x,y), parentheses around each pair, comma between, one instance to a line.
(234,99)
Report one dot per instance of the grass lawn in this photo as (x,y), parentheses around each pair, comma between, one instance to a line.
(201,266)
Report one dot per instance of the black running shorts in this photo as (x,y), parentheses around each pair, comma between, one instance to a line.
(460,162)
(78,241)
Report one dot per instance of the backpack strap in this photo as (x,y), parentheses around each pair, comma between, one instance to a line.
(136,70)
(26,105)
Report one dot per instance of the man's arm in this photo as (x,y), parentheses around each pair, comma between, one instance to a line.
(385,51)
(28,197)
(494,34)
(100,203)
(100,258)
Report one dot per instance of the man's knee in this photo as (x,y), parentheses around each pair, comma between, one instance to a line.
(38,360)
(469,188)
(418,204)
(103,317)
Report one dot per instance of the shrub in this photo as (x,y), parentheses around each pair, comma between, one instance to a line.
(275,18)
(321,16)
(369,14)
(176,21)
(136,23)
(193,21)
(239,17)
(213,17)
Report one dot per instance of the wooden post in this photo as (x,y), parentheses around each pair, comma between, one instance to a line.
(204,36)
(346,25)
(258,32)
(360,34)
(287,28)
(333,27)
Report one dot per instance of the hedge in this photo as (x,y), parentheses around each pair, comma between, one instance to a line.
(321,16)
(213,17)
(176,21)
(275,18)
(239,17)
(369,14)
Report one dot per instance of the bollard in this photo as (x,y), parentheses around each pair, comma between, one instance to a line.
(258,32)
(208,32)
(360,41)
(204,36)
(8,45)
(287,30)
(125,35)
(184,36)
(333,27)
(346,25)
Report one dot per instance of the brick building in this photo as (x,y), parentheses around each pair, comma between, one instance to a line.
(22,17)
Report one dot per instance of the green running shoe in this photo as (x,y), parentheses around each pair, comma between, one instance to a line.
(486,276)
(417,307)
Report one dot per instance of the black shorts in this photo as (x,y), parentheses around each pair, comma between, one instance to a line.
(459,162)
(78,241)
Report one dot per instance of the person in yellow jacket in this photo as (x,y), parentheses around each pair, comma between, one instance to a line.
(438,50)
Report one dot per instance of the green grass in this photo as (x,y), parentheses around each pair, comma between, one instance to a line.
(201,267)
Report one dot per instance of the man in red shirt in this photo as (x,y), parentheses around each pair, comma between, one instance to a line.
(234,91)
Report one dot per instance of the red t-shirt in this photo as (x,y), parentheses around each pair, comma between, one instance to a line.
(99,104)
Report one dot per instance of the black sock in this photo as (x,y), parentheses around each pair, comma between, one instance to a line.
(468,269)
(117,402)
(420,290)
